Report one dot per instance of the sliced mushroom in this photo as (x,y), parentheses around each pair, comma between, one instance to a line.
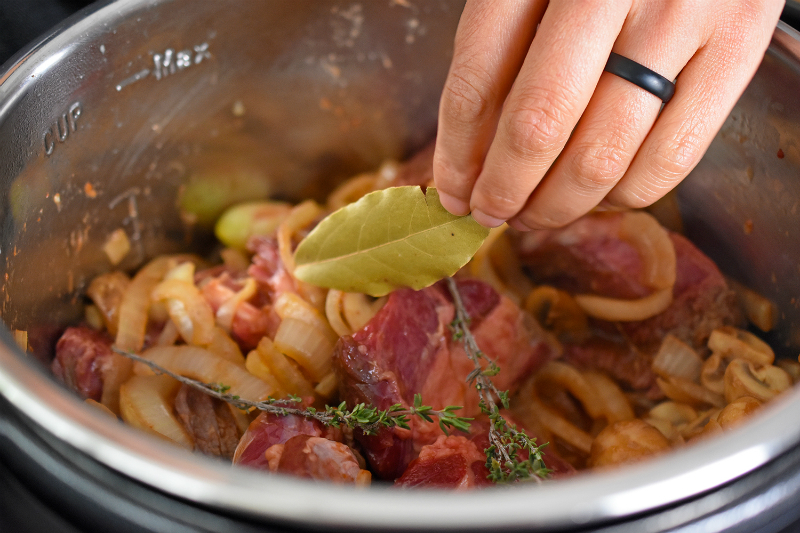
(737,411)
(557,311)
(762,382)
(626,442)
(736,343)
(713,373)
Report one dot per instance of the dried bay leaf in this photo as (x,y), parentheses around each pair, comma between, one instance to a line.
(392,238)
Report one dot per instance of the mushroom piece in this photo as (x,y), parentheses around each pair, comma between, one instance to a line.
(558,312)
(713,373)
(737,411)
(736,343)
(762,382)
(626,442)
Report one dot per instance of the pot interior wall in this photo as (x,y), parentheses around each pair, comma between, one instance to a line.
(154,121)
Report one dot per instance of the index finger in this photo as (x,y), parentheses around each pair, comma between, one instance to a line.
(551,92)
(490,45)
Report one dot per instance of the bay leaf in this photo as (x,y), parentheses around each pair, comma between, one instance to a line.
(392,238)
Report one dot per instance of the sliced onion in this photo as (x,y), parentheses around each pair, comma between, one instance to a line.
(227,310)
(135,304)
(614,405)
(333,312)
(619,310)
(351,190)
(685,391)
(569,378)
(169,335)
(563,429)
(306,344)
(299,217)
(103,409)
(223,346)
(677,359)
(286,373)
(187,307)
(200,364)
(146,403)
(106,291)
(327,387)
(759,310)
(304,335)
(115,370)
(256,366)
(655,248)
(734,343)
(358,309)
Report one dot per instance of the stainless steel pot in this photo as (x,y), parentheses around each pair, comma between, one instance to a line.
(108,123)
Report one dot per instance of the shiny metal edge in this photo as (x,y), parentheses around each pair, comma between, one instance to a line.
(590,498)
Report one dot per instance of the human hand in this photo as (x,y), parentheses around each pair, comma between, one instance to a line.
(533,132)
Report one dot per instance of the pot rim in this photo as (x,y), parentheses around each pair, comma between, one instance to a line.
(590,498)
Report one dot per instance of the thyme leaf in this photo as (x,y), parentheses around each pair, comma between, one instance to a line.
(503,458)
(364,417)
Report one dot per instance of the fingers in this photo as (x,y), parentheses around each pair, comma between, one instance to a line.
(616,121)
(490,45)
(551,91)
(706,91)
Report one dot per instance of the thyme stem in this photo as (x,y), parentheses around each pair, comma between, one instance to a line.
(505,441)
(361,416)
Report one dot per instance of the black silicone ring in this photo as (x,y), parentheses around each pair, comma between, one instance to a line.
(640,75)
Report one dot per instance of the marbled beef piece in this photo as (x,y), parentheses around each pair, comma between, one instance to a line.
(83,355)
(317,458)
(268,430)
(588,256)
(407,348)
(451,462)
(701,302)
(208,421)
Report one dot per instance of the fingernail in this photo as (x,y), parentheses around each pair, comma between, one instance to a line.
(454,205)
(486,220)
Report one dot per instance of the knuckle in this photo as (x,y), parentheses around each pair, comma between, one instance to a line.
(598,166)
(467,94)
(541,124)
(674,157)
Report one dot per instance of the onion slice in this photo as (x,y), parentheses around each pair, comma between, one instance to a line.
(651,240)
(202,365)
(135,304)
(619,310)
(678,359)
(146,403)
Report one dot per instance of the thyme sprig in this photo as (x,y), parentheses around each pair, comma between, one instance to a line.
(364,417)
(503,457)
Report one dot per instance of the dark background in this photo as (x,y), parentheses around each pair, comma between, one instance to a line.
(24,21)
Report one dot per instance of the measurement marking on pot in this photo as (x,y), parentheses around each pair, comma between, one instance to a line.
(169,62)
(65,124)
